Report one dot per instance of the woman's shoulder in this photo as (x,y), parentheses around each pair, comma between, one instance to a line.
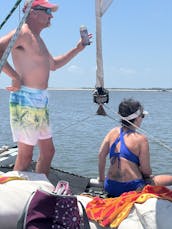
(114,132)
(141,137)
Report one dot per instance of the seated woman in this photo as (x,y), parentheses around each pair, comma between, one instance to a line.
(129,154)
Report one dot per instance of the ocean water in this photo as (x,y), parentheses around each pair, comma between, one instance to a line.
(78,131)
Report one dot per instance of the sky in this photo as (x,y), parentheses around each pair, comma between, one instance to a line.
(136,43)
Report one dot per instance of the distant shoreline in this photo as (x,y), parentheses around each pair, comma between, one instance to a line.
(109,89)
(112,89)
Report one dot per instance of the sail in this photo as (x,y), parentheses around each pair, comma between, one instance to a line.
(105,5)
(101,6)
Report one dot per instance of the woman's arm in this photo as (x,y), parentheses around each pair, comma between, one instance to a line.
(144,157)
(103,152)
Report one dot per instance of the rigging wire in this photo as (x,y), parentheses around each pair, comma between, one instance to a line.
(156,140)
(14,38)
(77,122)
(19,13)
(10,13)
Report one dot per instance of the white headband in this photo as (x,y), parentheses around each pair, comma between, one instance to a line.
(134,115)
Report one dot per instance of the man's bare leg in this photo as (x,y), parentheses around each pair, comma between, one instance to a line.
(46,155)
(164,180)
(24,157)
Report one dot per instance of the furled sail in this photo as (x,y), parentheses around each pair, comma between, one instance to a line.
(101,7)
(100,95)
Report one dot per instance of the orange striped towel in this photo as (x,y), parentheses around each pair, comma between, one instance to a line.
(4,179)
(110,212)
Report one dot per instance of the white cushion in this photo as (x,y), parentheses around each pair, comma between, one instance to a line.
(14,195)
(153,214)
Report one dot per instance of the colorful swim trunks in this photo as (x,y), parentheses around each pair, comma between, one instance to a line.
(29,116)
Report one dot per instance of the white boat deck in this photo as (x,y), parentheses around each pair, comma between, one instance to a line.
(7,156)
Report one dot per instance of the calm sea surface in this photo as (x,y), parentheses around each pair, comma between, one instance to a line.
(78,131)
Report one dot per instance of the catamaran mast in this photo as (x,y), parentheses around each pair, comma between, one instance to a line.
(99,56)
(101,95)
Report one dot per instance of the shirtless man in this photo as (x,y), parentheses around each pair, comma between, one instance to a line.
(29,117)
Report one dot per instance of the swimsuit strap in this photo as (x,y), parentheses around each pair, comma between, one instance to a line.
(124,151)
(122,133)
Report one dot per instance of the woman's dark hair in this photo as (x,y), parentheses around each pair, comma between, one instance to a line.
(128,107)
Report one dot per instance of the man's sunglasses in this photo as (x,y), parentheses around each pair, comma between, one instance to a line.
(46,10)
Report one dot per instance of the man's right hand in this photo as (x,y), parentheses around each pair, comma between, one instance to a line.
(16,84)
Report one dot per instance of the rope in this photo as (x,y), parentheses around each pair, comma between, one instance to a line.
(142,130)
(111,117)
(14,38)
(75,123)
(19,13)
(10,13)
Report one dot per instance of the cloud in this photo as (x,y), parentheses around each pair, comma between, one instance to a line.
(123,71)
(127,71)
(74,69)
